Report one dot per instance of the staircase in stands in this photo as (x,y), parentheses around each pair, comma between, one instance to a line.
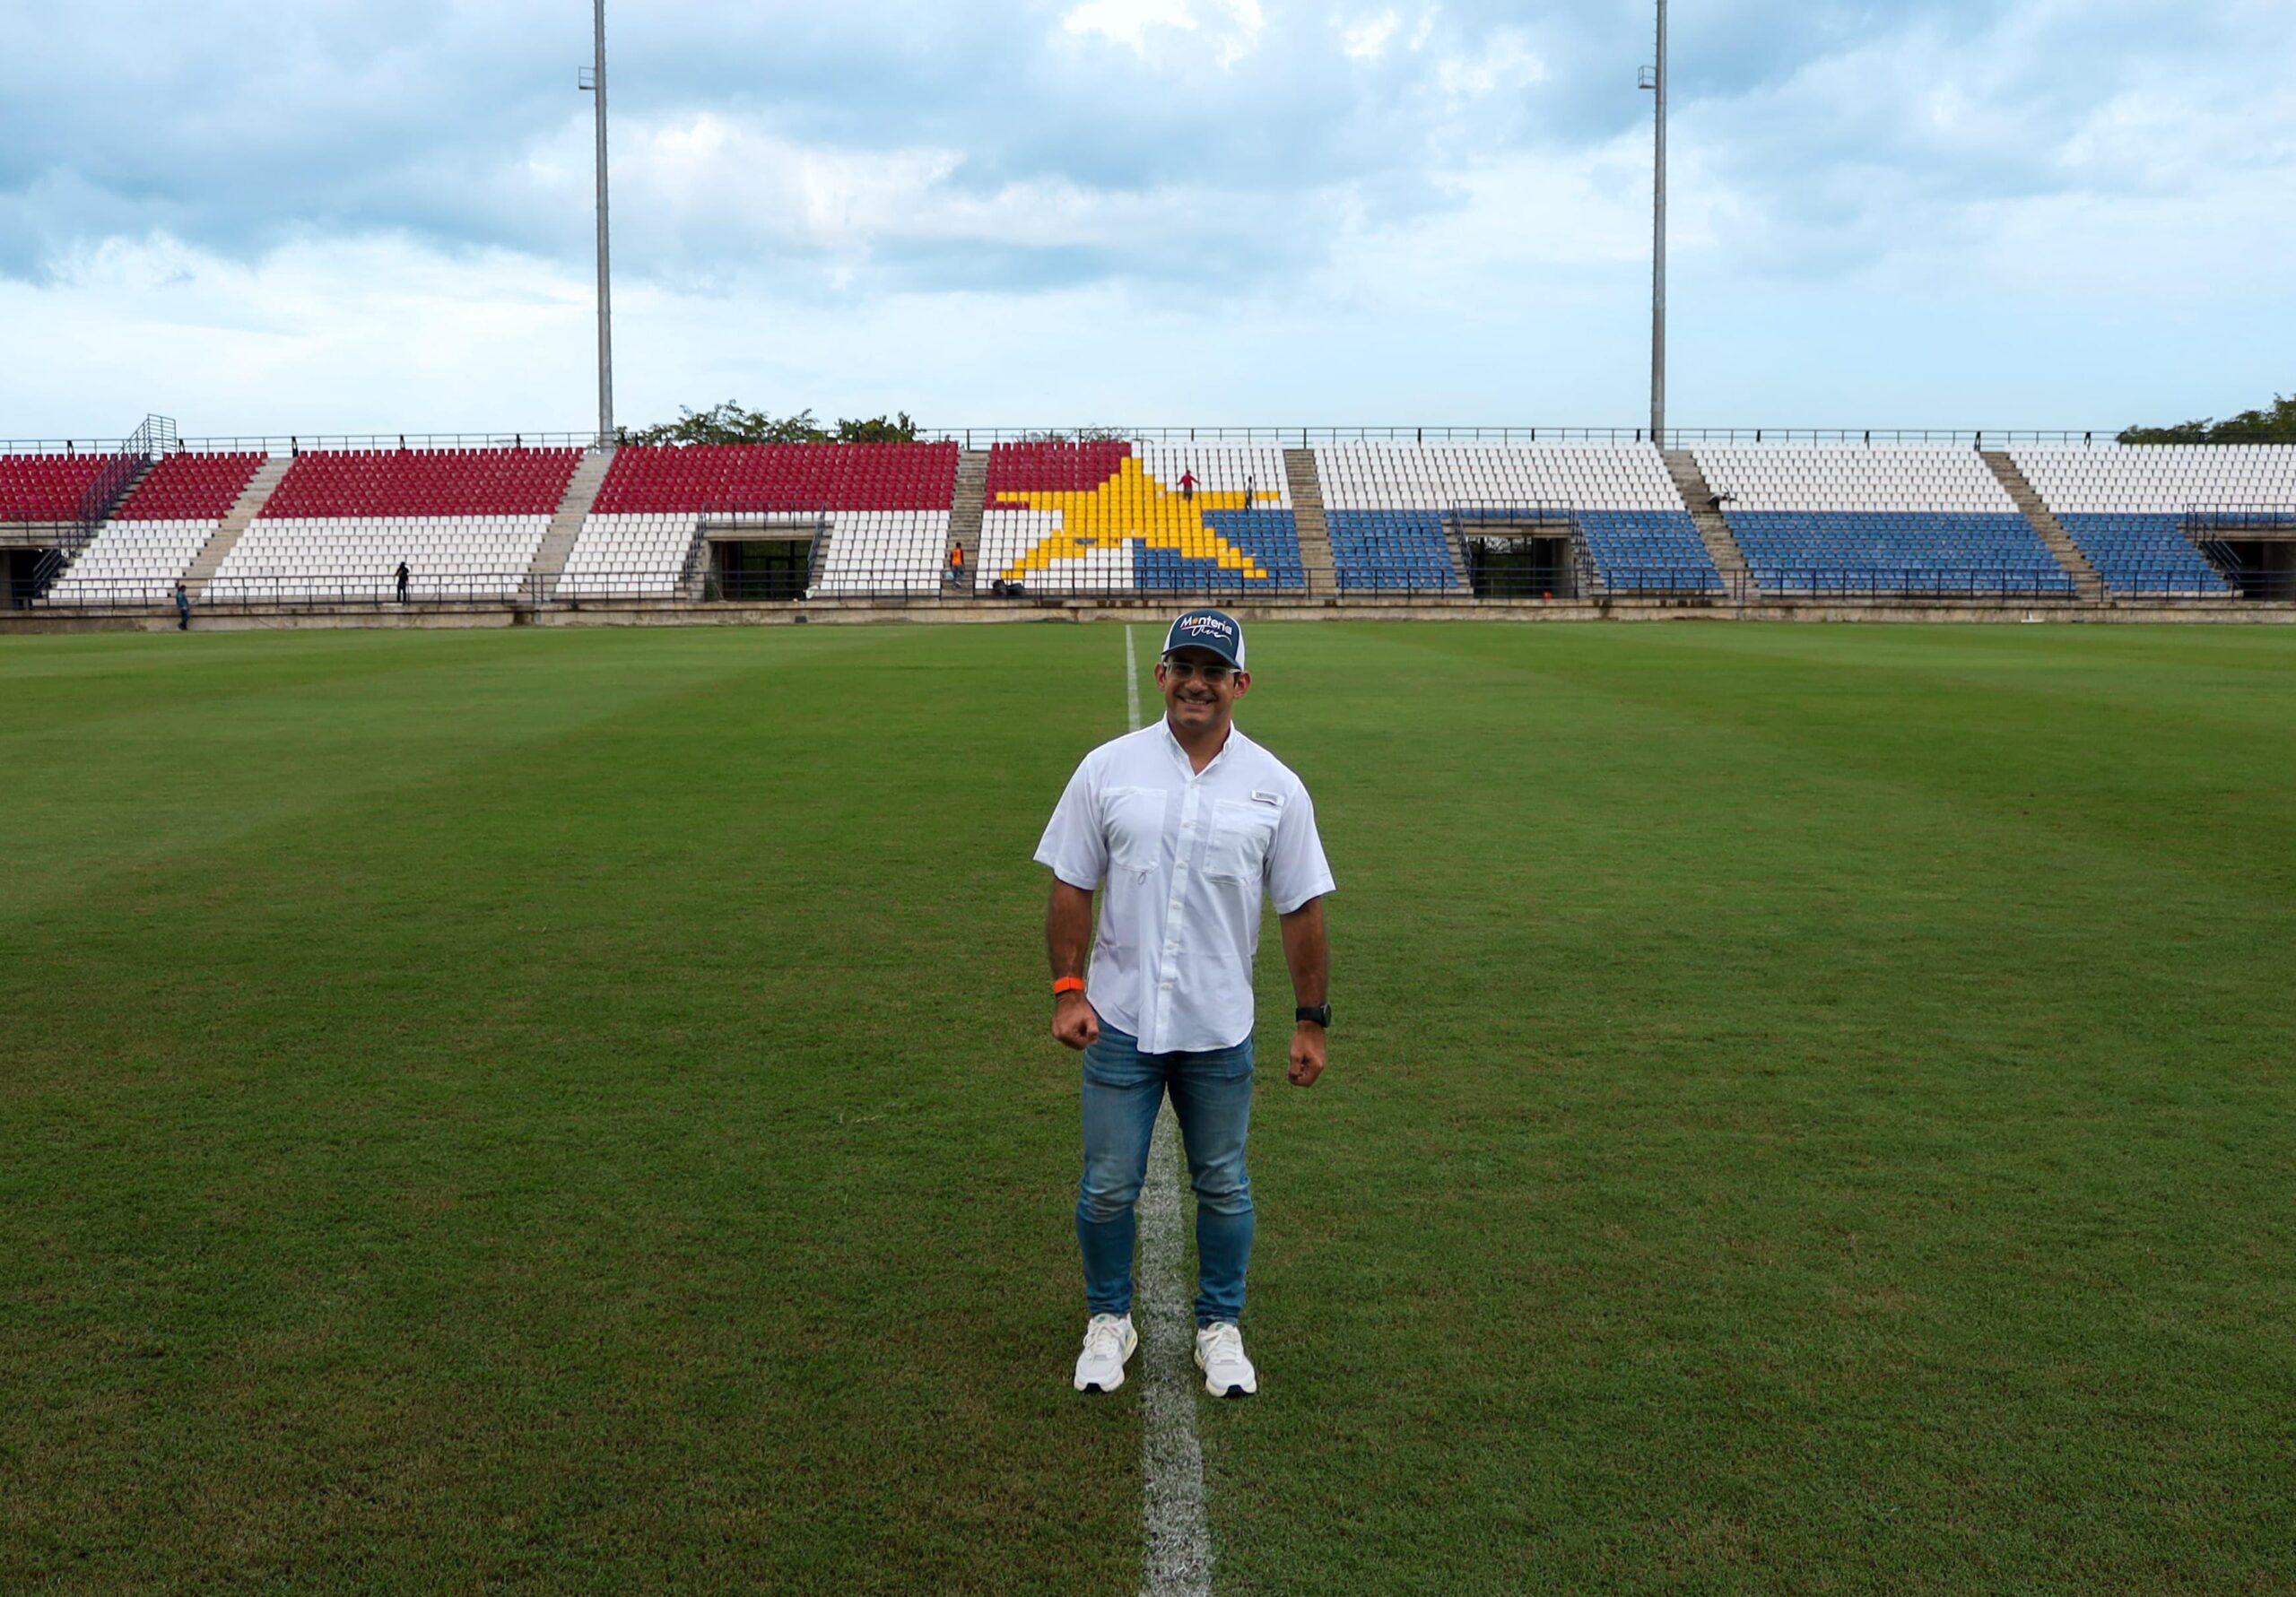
(695,579)
(244,509)
(106,494)
(1454,540)
(965,508)
(1308,520)
(566,525)
(1592,583)
(1713,530)
(2086,582)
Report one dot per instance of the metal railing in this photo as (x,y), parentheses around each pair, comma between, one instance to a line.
(2230,521)
(658,586)
(991,584)
(292,443)
(2251,548)
(2122,583)
(120,472)
(1289,436)
(1651,581)
(1311,437)
(1952,583)
(1293,435)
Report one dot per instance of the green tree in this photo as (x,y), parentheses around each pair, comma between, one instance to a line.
(878,430)
(729,423)
(2276,425)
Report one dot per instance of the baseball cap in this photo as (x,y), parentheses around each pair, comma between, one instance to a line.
(1213,629)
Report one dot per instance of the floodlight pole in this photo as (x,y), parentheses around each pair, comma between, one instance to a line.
(1658,245)
(597,85)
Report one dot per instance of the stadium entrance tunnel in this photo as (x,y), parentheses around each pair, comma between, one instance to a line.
(2255,551)
(2261,568)
(20,576)
(1536,561)
(760,565)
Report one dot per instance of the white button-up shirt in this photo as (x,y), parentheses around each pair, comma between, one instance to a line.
(1184,856)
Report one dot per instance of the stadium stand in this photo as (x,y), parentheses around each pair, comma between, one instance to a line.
(1387,505)
(882,511)
(2132,511)
(1113,516)
(48,488)
(1130,518)
(151,541)
(1878,520)
(466,523)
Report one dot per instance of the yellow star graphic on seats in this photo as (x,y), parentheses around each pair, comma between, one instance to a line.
(1133,505)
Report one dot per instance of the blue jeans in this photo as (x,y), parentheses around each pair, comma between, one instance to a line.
(1212,1099)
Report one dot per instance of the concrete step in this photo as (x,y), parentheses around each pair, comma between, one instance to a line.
(1713,528)
(2086,582)
(1592,583)
(966,507)
(694,576)
(244,509)
(1454,540)
(1307,517)
(566,525)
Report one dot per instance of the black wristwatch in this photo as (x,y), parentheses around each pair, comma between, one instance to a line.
(1320,1014)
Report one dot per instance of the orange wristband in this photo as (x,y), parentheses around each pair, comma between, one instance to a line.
(1068,984)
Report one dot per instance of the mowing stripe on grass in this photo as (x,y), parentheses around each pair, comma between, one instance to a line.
(1177,1557)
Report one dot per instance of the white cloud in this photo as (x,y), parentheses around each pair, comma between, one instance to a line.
(690,186)
(1234,31)
(1366,40)
(331,335)
(1247,23)
(1505,60)
(1870,203)
(1129,21)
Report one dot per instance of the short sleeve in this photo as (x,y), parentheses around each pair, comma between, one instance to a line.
(1074,844)
(1297,870)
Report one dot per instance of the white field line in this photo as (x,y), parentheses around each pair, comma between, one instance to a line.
(1131,685)
(1176,1561)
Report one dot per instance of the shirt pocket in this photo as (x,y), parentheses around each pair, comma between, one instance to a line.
(1241,834)
(1135,828)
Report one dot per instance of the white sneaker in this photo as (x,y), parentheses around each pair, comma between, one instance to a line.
(1219,1355)
(1108,1341)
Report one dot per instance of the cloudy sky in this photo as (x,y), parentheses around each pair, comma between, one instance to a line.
(366,215)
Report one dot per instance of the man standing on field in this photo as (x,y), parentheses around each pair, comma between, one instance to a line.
(1185,824)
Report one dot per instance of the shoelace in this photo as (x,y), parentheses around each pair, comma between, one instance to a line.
(1104,1338)
(1223,1342)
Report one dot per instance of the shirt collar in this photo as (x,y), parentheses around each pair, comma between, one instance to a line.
(1179,752)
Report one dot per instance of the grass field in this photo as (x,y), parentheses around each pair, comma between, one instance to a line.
(1810,1110)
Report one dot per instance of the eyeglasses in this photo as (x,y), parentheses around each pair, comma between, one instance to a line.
(1210,676)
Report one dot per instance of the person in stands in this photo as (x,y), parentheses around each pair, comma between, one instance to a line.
(1188,485)
(183,608)
(401,582)
(956,565)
